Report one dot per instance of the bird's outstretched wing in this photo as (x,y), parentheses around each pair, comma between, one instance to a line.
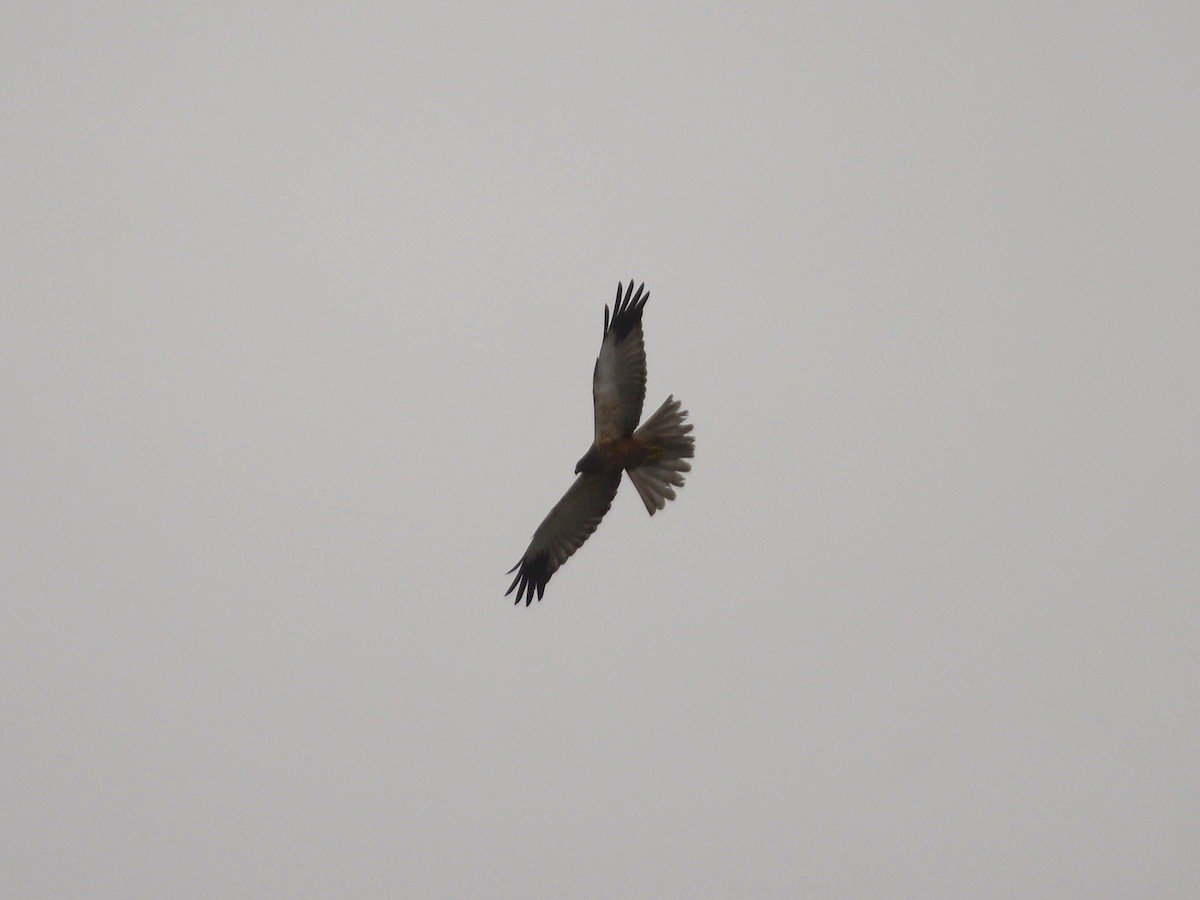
(563,531)
(619,379)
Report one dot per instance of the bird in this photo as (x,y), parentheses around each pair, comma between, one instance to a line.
(655,455)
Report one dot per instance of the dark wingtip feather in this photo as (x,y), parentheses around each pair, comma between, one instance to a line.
(531,579)
(515,582)
(627,310)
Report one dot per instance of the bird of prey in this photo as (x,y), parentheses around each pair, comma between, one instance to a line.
(655,455)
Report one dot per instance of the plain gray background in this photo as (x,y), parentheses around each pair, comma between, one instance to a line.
(299,314)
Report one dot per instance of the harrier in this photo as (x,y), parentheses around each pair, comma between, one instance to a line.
(655,455)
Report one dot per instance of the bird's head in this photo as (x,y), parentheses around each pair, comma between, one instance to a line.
(588,462)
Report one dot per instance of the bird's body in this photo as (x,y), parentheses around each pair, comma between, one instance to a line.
(616,456)
(655,455)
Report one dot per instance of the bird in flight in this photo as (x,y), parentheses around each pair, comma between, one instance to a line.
(655,455)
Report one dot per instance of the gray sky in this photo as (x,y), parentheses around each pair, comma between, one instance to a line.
(300,310)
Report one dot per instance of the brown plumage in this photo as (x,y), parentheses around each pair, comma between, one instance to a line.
(655,455)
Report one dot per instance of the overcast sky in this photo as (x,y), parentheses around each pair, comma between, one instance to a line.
(300,309)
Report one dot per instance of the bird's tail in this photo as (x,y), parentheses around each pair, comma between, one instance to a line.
(666,436)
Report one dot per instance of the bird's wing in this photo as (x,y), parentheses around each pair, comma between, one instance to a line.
(619,379)
(563,531)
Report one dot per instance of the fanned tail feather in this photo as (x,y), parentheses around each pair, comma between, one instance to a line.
(671,445)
